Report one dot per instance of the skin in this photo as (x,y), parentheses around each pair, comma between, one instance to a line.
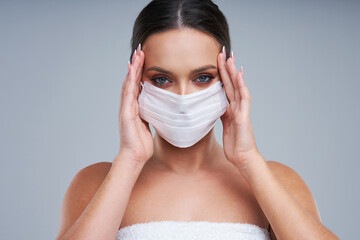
(208,187)
(230,184)
(173,52)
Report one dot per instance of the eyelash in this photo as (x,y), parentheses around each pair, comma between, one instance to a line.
(206,82)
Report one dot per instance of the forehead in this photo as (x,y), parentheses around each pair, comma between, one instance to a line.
(181,46)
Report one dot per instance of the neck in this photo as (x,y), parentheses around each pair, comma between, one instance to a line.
(200,156)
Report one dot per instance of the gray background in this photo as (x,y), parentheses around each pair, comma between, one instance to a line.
(62,65)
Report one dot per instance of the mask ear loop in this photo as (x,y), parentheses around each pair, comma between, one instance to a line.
(141,86)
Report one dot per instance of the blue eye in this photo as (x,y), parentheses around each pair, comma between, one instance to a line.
(161,82)
(203,79)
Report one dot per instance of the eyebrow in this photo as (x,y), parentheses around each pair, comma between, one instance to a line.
(196,70)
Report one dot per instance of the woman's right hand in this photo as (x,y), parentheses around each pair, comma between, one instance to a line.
(136,140)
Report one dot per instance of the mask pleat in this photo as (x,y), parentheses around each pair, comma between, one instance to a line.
(182,120)
(190,115)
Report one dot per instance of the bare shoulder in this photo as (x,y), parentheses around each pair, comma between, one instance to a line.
(95,171)
(89,178)
(80,191)
(295,184)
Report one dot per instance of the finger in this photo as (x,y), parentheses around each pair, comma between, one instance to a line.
(134,66)
(244,89)
(123,88)
(129,90)
(231,68)
(133,56)
(229,87)
(124,84)
(139,73)
(132,87)
(245,95)
(127,105)
(138,78)
(137,65)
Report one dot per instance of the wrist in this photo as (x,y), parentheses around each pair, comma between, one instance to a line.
(127,159)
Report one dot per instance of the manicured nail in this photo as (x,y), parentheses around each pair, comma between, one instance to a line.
(128,66)
(138,50)
(223,51)
(232,54)
(242,71)
(135,52)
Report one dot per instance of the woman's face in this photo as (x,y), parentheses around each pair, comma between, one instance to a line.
(181,61)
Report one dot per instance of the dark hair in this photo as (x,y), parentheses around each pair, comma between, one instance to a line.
(163,15)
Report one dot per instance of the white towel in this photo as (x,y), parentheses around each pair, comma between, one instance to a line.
(199,230)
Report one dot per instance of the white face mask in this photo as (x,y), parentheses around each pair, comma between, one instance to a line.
(182,120)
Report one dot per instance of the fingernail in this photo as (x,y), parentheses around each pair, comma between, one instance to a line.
(223,51)
(135,52)
(128,66)
(232,54)
(138,50)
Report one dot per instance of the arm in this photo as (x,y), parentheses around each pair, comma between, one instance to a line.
(94,205)
(286,203)
(285,200)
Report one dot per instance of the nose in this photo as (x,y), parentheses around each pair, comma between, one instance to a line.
(183,89)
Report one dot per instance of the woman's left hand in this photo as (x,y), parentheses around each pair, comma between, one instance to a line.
(238,137)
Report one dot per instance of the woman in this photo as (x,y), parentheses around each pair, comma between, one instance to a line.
(182,184)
